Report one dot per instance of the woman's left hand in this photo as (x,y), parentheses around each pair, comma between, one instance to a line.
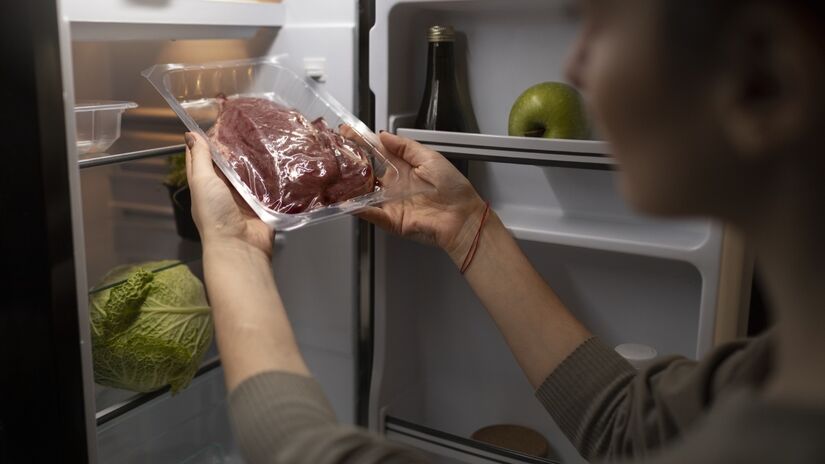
(222,216)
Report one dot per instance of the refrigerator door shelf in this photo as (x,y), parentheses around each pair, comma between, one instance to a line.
(446,448)
(587,154)
(444,364)
(562,202)
(656,240)
(510,46)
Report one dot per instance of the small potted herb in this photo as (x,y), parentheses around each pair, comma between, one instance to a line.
(178,188)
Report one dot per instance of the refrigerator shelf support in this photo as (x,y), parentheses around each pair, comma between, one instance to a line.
(106,159)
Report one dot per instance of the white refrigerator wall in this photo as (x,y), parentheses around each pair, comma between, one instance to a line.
(317,268)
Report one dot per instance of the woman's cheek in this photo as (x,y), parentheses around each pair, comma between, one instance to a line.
(608,96)
(622,98)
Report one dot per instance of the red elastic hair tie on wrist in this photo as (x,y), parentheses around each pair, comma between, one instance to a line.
(471,253)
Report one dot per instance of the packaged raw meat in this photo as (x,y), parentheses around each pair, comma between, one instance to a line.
(290,163)
(294,154)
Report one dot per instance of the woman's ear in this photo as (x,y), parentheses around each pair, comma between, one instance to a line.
(768,91)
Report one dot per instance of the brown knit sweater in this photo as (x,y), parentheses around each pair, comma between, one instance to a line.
(707,411)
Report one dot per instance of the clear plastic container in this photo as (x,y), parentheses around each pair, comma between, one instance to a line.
(98,124)
(196,92)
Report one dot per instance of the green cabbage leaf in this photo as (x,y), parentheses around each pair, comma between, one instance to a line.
(149,329)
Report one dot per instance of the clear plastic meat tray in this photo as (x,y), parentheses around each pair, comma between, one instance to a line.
(98,124)
(195,93)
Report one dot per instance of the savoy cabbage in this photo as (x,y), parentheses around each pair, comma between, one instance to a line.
(149,329)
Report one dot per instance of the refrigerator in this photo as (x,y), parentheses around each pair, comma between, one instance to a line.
(387,326)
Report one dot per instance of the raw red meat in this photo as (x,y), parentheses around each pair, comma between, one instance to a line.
(290,164)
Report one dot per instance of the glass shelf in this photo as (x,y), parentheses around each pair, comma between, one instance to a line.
(103,159)
(128,219)
(190,427)
(113,402)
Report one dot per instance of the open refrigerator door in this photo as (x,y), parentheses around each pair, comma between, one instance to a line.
(442,370)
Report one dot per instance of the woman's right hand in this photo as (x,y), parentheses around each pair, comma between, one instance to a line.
(222,216)
(448,210)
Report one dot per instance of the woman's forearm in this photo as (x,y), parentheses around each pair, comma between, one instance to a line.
(251,325)
(254,334)
(539,329)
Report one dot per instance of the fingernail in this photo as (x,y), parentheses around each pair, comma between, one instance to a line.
(190,139)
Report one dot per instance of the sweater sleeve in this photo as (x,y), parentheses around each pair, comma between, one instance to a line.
(278,417)
(611,411)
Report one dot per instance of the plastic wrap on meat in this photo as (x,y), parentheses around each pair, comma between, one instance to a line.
(291,165)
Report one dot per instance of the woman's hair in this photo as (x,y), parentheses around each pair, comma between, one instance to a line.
(713,15)
(693,29)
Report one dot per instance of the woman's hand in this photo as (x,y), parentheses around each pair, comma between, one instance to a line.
(222,216)
(448,210)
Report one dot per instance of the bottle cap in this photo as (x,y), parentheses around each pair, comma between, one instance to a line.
(441,34)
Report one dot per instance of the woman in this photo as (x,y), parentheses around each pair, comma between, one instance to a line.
(712,109)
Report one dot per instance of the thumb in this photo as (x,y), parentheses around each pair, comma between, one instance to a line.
(199,158)
(409,150)
(376,216)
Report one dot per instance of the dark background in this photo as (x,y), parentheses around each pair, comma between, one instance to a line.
(41,396)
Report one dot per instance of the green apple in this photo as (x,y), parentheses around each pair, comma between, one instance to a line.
(552,110)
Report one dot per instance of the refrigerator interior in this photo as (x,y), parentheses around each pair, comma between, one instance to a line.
(128,219)
(127,214)
(441,367)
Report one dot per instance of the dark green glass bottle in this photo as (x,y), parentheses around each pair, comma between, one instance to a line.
(442,108)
